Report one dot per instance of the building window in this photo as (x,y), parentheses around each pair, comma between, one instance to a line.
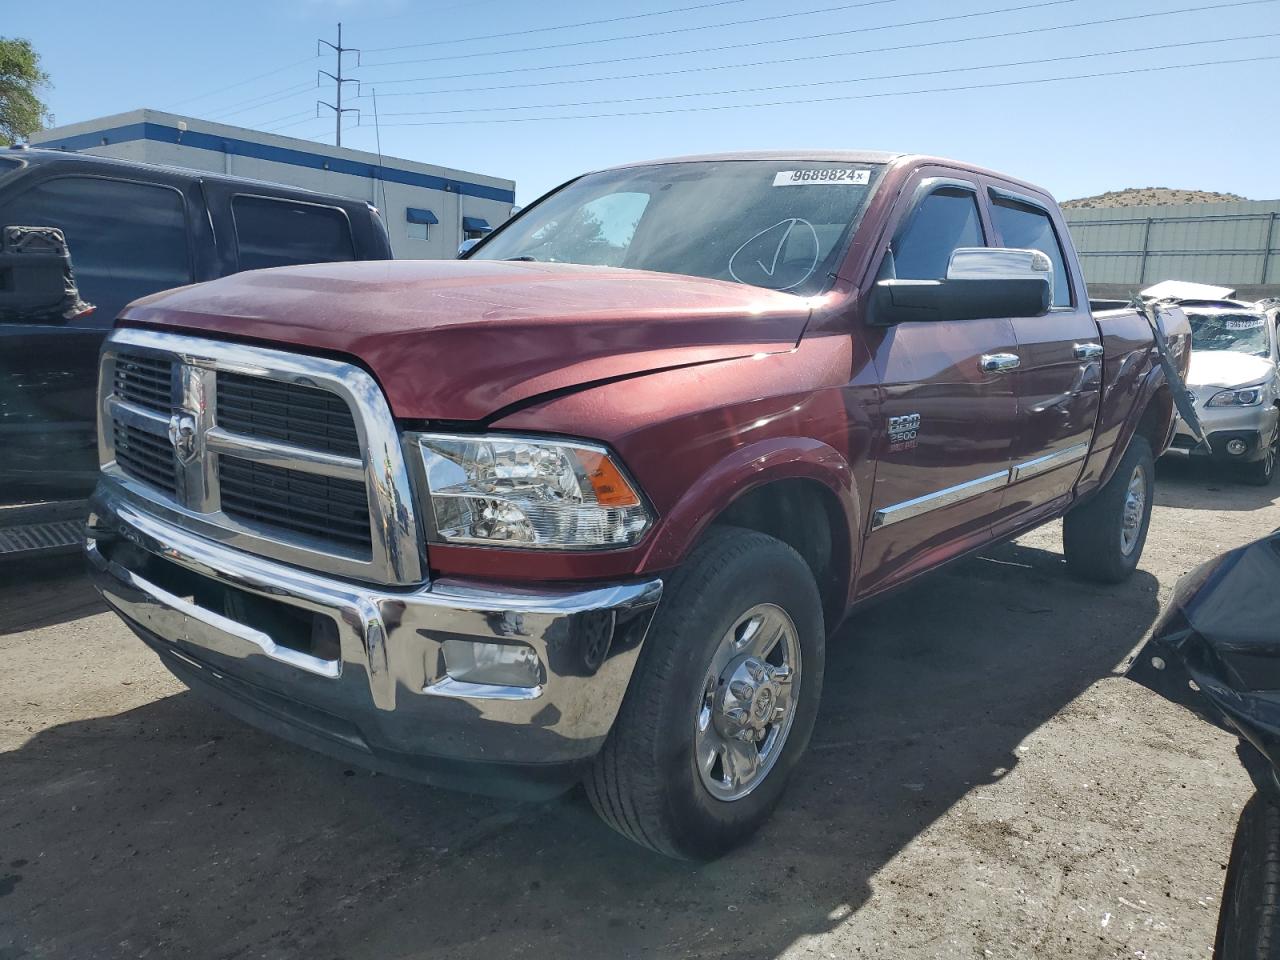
(419,223)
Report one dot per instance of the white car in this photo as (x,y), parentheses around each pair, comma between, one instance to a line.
(1234,382)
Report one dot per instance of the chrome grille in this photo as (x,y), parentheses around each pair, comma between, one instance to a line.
(305,503)
(146,381)
(264,449)
(305,416)
(145,457)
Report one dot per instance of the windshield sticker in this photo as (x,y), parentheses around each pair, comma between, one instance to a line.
(1244,324)
(823,175)
(779,257)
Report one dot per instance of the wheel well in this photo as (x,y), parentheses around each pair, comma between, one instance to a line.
(807,517)
(1157,420)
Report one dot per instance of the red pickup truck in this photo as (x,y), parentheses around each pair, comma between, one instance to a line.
(586,505)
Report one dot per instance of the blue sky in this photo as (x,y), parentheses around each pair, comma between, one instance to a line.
(253,63)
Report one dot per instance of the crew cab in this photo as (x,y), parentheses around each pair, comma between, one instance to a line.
(1234,379)
(587,504)
(130,229)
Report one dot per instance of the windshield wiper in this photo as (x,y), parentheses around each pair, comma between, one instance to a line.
(524,259)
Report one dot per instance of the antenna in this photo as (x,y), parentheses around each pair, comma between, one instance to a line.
(377,133)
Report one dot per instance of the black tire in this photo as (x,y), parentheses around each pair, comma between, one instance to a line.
(1249,921)
(1092,532)
(645,782)
(1260,472)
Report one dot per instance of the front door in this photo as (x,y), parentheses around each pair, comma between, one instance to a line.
(1059,381)
(949,413)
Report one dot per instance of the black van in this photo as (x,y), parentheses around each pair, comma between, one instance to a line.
(131,229)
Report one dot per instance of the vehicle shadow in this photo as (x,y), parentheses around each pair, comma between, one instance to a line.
(173,829)
(44,592)
(1201,485)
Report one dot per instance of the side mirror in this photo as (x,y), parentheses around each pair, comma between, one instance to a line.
(465,246)
(981,282)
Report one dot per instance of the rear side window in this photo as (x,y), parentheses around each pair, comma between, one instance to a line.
(944,221)
(126,239)
(278,233)
(1029,228)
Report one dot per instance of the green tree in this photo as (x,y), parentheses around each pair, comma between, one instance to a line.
(22,112)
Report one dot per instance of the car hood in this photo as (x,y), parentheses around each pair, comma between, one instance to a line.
(461,340)
(1221,368)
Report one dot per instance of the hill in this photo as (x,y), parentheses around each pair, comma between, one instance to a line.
(1150,196)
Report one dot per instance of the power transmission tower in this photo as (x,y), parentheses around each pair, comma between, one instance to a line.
(338,81)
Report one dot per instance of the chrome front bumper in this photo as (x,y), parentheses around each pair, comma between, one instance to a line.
(377,690)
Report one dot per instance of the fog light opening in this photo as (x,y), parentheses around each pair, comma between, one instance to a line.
(1236,447)
(494,664)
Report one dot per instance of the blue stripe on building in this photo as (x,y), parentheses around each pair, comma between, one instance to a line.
(161,133)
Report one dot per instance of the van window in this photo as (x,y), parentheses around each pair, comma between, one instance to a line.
(944,221)
(277,233)
(1028,228)
(126,239)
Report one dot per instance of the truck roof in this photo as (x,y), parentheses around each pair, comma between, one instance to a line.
(37,155)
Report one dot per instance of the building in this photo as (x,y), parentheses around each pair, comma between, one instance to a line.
(1231,244)
(428,209)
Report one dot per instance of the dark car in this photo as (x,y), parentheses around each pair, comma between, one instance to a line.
(1216,650)
(131,229)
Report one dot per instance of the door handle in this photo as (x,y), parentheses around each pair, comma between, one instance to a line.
(1088,351)
(999,362)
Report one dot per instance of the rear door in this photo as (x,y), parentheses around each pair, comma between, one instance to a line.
(944,453)
(1059,380)
(127,238)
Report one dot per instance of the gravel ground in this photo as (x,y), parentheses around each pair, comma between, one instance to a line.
(981,784)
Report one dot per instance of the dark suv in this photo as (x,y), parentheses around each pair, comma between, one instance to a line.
(132,229)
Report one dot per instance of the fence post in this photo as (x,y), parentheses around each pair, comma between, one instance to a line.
(1266,252)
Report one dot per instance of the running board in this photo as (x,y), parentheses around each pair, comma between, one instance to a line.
(41,537)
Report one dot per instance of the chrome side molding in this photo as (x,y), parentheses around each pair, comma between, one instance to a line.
(972,488)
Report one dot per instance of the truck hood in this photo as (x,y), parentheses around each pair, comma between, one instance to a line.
(460,340)
(1222,368)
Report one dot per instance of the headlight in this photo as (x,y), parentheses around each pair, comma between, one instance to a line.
(1248,397)
(521,492)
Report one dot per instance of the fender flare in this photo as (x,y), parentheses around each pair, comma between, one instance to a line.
(749,468)
(1151,385)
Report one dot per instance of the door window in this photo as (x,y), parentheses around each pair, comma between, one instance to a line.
(1026,227)
(126,239)
(277,233)
(943,221)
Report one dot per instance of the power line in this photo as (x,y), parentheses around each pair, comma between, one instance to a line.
(827,83)
(240,83)
(674,30)
(755,43)
(814,56)
(567,26)
(843,98)
(262,100)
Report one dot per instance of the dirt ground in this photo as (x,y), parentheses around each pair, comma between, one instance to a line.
(982,783)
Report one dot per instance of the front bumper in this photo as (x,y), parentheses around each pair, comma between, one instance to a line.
(359,672)
(1254,425)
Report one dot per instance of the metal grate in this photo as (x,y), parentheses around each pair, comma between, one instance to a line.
(145,457)
(316,506)
(145,380)
(33,537)
(274,410)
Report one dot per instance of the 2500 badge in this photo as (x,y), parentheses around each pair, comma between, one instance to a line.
(903,431)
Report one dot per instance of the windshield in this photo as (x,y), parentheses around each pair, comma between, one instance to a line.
(779,224)
(1236,332)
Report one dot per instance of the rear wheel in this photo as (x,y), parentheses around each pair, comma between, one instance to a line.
(1103,537)
(1249,921)
(722,702)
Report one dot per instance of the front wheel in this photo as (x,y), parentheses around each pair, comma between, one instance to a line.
(722,703)
(1260,472)
(1249,921)
(1103,537)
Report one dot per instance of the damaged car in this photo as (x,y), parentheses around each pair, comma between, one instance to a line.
(1235,387)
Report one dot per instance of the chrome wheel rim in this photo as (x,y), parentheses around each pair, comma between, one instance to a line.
(1135,502)
(748,702)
